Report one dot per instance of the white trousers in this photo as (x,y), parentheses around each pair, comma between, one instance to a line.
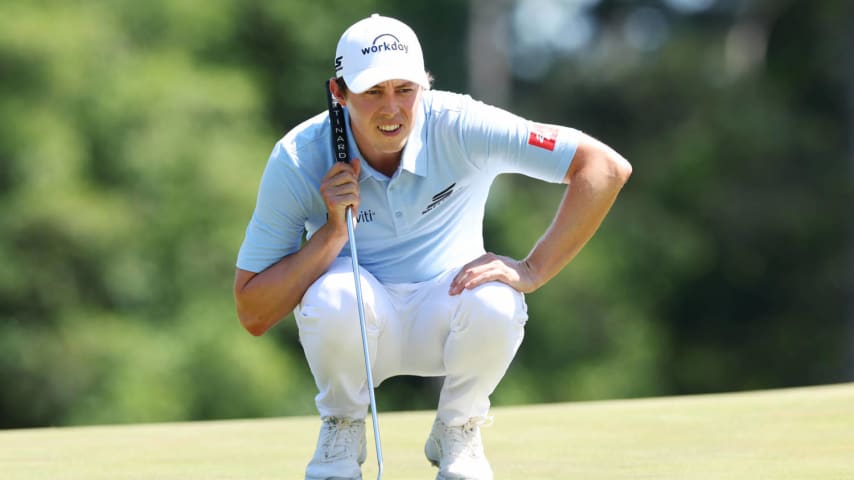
(413,329)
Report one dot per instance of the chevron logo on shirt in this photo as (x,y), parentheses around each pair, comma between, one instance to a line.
(437,199)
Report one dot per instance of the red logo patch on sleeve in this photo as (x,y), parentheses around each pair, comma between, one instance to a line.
(543,136)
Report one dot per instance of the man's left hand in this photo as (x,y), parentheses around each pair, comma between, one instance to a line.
(491,267)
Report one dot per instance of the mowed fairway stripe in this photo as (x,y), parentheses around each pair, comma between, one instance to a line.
(803,433)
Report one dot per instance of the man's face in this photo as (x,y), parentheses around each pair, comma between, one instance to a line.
(381,118)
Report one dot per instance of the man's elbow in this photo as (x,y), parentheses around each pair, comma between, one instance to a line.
(251,321)
(600,164)
(621,170)
(253,325)
(609,171)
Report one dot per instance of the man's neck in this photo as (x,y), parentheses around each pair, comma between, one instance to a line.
(385,163)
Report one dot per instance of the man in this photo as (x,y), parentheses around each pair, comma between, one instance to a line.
(435,303)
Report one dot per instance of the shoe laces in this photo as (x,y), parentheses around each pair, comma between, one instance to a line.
(465,440)
(341,437)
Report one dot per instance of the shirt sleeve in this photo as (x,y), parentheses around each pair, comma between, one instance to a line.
(278,222)
(501,142)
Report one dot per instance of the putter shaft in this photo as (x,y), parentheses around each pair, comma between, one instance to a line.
(361,307)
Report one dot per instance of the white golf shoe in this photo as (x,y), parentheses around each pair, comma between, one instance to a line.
(458,451)
(341,450)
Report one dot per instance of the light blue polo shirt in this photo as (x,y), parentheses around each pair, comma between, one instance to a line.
(428,217)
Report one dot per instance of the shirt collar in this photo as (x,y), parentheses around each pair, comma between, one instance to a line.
(413,159)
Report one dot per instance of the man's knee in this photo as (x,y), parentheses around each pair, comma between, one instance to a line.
(329,310)
(492,307)
(325,304)
(486,331)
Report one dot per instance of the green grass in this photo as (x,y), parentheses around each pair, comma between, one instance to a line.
(804,433)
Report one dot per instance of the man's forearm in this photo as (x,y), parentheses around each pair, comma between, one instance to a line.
(588,198)
(263,299)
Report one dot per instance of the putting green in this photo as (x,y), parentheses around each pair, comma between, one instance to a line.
(803,433)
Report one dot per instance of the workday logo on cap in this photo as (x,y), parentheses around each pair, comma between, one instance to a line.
(378,49)
(386,43)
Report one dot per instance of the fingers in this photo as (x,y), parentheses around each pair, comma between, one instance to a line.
(486,268)
(340,188)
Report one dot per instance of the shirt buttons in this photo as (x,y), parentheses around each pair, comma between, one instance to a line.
(398,214)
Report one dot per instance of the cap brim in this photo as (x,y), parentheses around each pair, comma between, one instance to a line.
(372,76)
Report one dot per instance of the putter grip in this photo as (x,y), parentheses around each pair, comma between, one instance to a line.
(340,147)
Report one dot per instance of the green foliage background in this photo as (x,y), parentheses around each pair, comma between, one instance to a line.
(133,136)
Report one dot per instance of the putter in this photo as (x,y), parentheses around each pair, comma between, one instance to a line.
(341,152)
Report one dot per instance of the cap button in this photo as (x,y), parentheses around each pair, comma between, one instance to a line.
(375,15)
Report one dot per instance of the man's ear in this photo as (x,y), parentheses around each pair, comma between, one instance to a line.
(337,93)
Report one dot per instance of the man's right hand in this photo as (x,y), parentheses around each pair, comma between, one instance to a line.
(340,189)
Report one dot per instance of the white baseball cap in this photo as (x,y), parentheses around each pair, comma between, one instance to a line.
(378,49)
